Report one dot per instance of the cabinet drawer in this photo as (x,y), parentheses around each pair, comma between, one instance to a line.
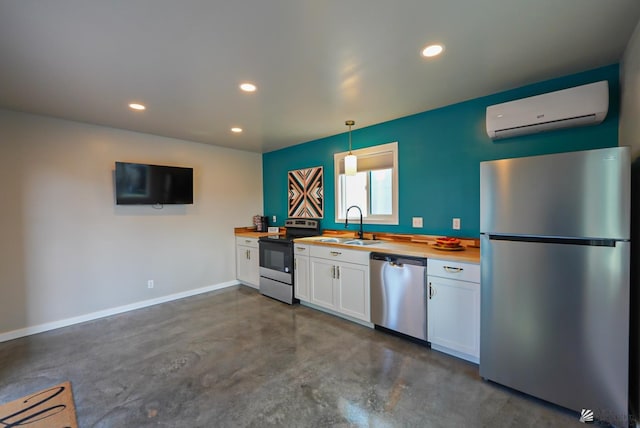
(454,270)
(300,250)
(340,254)
(247,242)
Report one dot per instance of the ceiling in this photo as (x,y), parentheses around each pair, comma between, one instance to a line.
(316,62)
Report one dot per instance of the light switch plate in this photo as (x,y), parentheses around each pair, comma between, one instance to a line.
(456,224)
(416,222)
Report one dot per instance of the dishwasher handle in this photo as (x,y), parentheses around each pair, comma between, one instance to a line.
(397,260)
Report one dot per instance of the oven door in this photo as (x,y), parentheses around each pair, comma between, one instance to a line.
(276,260)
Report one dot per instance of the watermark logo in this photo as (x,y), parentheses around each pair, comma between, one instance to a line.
(586,416)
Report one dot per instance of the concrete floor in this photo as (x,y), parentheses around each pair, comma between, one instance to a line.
(236,358)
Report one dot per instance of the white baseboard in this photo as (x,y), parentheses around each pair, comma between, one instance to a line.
(458,354)
(27,331)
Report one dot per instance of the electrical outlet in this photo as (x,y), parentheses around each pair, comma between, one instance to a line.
(416,221)
(150,283)
(456,224)
(274,219)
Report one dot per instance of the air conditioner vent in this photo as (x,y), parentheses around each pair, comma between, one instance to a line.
(578,106)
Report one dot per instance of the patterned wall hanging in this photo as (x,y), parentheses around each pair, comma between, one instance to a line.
(306,198)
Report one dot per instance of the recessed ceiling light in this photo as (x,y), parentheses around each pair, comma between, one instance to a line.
(432,50)
(236,130)
(136,106)
(248,87)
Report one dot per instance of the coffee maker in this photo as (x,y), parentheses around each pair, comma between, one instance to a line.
(261,223)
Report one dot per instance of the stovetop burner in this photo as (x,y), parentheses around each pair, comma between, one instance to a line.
(296,228)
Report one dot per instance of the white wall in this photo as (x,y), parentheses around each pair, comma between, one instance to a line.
(629,128)
(67,250)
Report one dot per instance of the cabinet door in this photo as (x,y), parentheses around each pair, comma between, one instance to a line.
(353,285)
(323,286)
(242,255)
(247,265)
(301,278)
(453,314)
(253,267)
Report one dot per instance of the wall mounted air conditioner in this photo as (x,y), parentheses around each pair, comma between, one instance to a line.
(578,106)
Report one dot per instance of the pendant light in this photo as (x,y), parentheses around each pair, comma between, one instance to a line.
(350,161)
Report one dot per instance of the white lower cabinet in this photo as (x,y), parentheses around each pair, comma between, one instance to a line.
(247,261)
(353,291)
(453,312)
(339,281)
(302,286)
(324,287)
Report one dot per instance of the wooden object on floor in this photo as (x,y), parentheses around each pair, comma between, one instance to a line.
(50,408)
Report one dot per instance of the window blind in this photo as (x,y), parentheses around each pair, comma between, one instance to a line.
(380,160)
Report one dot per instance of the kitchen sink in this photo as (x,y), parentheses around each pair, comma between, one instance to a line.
(333,240)
(362,242)
(349,241)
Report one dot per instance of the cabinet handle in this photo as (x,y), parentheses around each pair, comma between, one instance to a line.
(337,272)
(248,255)
(452,269)
(295,264)
(301,248)
(335,253)
(248,241)
(333,272)
(432,291)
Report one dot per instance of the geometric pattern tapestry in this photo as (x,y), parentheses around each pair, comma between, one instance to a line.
(306,198)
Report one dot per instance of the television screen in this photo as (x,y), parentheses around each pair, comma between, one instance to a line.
(141,184)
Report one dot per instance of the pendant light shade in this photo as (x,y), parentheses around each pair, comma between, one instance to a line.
(350,161)
(350,164)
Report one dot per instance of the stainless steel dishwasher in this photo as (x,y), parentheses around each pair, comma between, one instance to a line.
(398,294)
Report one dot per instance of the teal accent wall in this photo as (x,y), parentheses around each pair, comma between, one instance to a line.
(439,155)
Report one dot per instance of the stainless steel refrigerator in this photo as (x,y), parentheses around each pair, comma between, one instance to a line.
(555,278)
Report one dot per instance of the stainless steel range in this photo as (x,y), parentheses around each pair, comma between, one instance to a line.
(276,259)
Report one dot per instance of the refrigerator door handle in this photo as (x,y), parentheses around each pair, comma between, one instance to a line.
(589,242)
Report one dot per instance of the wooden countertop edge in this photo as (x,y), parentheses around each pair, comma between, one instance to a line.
(393,243)
(250,232)
(469,255)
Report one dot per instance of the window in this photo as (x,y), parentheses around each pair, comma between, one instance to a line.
(374,188)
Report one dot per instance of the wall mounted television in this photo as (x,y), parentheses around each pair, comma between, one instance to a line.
(142,184)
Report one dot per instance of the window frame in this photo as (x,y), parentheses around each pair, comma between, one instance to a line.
(393,218)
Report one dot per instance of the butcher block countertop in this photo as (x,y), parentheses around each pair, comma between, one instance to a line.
(250,232)
(390,243)
(415,249)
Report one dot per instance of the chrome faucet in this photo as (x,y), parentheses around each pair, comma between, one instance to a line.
(346,220)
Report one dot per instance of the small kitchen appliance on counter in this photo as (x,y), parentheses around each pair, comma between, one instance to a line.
(261,223)
(276,258)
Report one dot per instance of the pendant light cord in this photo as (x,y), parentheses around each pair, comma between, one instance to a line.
(350,123)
